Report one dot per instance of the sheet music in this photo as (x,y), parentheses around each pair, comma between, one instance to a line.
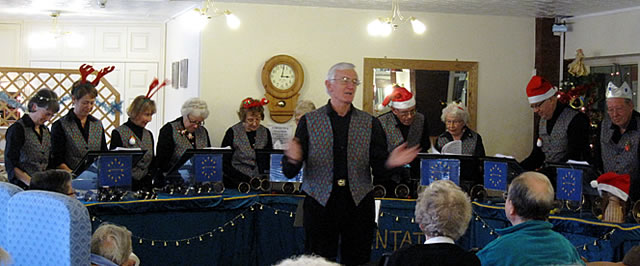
(498,155)
(126,149)
(454,147)
(217,148)
(578,162)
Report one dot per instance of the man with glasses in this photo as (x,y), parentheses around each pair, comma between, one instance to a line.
(619,149)
(404,124)
(563,133)
(339,145)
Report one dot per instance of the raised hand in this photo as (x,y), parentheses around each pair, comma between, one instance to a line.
(294,152)
(402,155)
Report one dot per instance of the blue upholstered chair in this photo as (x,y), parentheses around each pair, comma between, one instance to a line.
(7,190)
(47,228)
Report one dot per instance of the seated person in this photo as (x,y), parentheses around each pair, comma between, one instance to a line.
(456,117)
(443,212)
(308,260)
(28,140)
(244,138)
(531,240)
(111,246)
(53,180)
(185,132)
(5,259)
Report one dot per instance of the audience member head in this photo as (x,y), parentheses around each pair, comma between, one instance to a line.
(53,180)
(306,260)
(141,110)
(530,197)
(43,106)
(194,112)
(251,113)
(113,243)
(455,117)
(5,259)
(443,209)
(302,108)
(632,257)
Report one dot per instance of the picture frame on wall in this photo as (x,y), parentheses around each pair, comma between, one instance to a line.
(184,73)
(175,74)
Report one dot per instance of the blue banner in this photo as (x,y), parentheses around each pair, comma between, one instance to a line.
(439,169)
(495,175)
(569,186)
(207,167)
(275,173)
(114,171)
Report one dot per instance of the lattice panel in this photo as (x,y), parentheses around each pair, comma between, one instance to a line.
(22,83)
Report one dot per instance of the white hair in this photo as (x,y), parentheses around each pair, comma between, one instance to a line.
(304,107)
(306,260)
(339,66)
(196,107)
(443,209)
(112,242)
(458,110)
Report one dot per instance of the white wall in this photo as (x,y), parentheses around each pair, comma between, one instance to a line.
(182,42)
(319,37)
(606,34)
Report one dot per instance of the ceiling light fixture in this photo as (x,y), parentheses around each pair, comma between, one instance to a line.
(383,26)
(208,11)
(49,38)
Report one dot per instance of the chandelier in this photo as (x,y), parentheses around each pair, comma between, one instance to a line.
(383,26)
(208,11)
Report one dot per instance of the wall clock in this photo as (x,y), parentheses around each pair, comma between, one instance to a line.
(282,78)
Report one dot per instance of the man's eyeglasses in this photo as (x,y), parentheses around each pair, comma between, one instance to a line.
(407,113)
(346,80)
(196,122)
(537,105)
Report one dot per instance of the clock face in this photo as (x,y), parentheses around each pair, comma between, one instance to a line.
(282,76)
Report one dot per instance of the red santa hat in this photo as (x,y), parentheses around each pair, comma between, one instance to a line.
(400,98)
(539,89)
(616,184)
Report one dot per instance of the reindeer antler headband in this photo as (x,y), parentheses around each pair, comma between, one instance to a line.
(250,102)
(153,87)
(86,70)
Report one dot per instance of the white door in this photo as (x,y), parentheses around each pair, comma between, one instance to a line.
(10,34)
(138,76)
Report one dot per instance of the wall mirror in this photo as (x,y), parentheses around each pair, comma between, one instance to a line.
(432,82)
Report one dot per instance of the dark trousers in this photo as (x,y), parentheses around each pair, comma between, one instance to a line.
(340,225)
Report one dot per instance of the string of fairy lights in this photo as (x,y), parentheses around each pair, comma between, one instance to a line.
(604,237)
(209,234)
(228,225)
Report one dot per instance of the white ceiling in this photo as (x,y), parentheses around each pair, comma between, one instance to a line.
(160,10)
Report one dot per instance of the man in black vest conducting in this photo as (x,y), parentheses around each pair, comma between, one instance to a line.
(339,145)
(563,133)
(619,137)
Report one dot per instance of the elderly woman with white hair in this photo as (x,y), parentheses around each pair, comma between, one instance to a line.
(185,132)
(443,212)
(455,117)
(111,245)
